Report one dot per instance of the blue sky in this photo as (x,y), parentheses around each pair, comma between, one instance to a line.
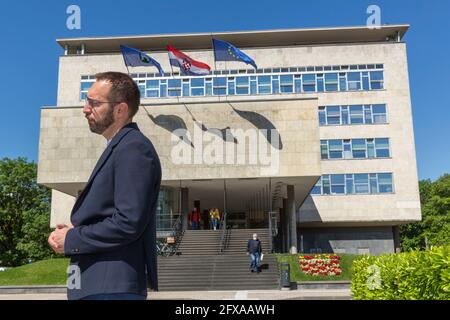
(29,55)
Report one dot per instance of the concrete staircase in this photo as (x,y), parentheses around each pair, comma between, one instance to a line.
(201,267)
(200,242)
(237,240)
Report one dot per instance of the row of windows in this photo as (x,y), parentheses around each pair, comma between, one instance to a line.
(255,85)
(355,148)
(358,183)
(354,114)
(264,70)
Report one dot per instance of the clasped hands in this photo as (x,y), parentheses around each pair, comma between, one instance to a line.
(57,238)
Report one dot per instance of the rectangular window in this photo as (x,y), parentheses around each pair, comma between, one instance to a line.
(320,84)
(264,84)
(379,113)
(373,183)
(335,149)
(350,188)
(331,81)
(208,87)
(354,80)
(324,149)
(344,115)
(219,86)
(333,115)
(163,90)
(298,83)
(342,81)
(365,81)
(367,114)
(385,182)
(337,184)
(231,87)
(382,147)
(356,114)
(322,116)
(242,85)
(185,84)
(347,149)
(152,87)
(85,86)
(359,148)
(197,86)
(174,87)
(286,83)
(309,83)
(361,183)
(370,148)
(376,80)
(275,85)
(253,87)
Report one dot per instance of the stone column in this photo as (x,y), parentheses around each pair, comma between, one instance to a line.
(290,210)
(185,207)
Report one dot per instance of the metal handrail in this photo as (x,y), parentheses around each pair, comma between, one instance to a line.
(270,232)
(177,231)
(223,230)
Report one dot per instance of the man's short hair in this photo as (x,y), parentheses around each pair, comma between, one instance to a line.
(123,89)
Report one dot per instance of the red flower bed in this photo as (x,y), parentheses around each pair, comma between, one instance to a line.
(320,264)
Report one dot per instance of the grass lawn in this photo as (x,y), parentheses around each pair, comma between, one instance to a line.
(45,272)
(298,275)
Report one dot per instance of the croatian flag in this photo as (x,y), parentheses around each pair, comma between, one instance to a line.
(187,65)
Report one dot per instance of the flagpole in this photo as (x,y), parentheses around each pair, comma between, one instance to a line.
(215,68)
(125,61)
(173,77)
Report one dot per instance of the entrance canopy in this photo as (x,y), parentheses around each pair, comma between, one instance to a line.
(242,195)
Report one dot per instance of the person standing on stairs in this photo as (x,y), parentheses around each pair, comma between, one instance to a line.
(254,249)
(215,216)
(194,217)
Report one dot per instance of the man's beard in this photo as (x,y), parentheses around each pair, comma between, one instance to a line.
(100,126)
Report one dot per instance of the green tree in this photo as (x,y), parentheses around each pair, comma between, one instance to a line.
(24,213)
(435,224)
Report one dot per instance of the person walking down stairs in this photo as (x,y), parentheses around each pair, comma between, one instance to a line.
(215,217)
(254,249)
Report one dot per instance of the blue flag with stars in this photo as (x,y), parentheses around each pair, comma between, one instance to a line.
(224,51)
(134,58)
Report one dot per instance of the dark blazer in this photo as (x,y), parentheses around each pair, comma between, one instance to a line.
(114,219)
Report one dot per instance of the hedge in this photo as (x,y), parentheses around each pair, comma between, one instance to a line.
(414,275)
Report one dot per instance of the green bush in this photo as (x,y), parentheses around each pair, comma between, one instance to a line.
(414,275)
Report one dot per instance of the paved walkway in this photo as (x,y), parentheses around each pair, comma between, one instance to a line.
(313,294)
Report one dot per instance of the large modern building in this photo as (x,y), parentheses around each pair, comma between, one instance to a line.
(316,144)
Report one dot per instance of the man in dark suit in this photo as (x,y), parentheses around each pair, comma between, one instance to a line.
(111,241)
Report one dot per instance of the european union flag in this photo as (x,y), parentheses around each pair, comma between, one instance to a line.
(134,58)
(224,51)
